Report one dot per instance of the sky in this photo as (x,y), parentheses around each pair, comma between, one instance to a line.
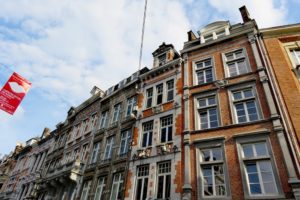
(65,47)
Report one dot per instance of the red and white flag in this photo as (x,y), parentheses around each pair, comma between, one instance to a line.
(13,92)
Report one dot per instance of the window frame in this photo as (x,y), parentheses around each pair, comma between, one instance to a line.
(291,46)
(126,141)
(149,132)
(86,187)
(143,178)
(119,182)
(164,175)
(100,187)
(249,139)
(116,113)
(235,60)
(197,119)
(109,146)
(218,142)
(131,102)
(104,119)
(95,153)
(195,70)
(167,128)
(255,97)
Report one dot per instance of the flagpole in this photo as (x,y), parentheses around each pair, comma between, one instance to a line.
(142,38)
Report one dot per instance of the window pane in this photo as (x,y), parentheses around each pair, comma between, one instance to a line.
(168,186)
(248,93)
(139,189)
(217,154)
(160,187)
(261,149)
(145,189)
(202,102)
(255,189)
(211,100)
(251,167)
(248,152)
(205,155)
(209,76)
(237,95)
(200,77)
(270,188)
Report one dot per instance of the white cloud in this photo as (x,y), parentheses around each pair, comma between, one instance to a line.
(267,12)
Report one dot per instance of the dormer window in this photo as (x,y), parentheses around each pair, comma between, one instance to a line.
(208,38)
(214,31)
(162,59)
(221,33)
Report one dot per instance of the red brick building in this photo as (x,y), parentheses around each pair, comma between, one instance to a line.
(234,143)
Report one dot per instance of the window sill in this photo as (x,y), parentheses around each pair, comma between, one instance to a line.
(265,197)
(231,126)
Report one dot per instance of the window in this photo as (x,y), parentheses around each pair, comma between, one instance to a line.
(84,151)
(212,169)
(76,131)
(117,110)
(260,177)
(162,59)
(131,102)
(296,56)
(245,105)
(147,134)
(166,124)
(221,33)
(164,180)
(159,93)
(100,187)
(116,191)
(76,154)
(236,63)
(85,190)
(95,153)
(170,90)
(204,71)
(149,97)
(208,112)
(208,37)
(104,119)
(125,142)
(85,126)
(142,182)
(108,148)
(93,123)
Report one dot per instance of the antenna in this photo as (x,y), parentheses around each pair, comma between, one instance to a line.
(142,39)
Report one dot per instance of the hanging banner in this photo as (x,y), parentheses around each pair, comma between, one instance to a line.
(13,92)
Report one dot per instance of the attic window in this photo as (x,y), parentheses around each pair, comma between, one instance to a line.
(221,33)
(162,59)
(208,38)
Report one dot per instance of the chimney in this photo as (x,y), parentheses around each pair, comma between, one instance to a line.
(191,35)
(245,14)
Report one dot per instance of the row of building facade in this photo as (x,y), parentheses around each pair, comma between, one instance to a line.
(219,120)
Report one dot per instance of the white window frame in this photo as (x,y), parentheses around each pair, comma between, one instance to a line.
(166,122)
(131,102)
(149,97)
(118,183)
(101,183)
(85,190)
(236,60)
(290,49)
(144,177)
(147,132)
(204,145)
(159,90)
(255,98)
(84,151)
(116,113)
(207,108)
(108,148)
(164,175)
(245,139)
(203,69)
(93,122)
(170,90)
(104,119)
(95,153)
(125,142)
